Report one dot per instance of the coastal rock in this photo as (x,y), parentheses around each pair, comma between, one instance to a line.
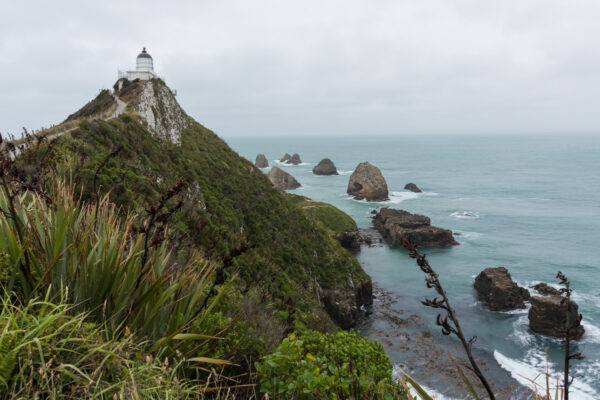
(295,159)
(547,316)
(325,167)
(397,225)
(344,305)
(282,180)
(367,182)
(495,287)
(261,161)
(349,240)
(545,289)
(286,157)
(412,187)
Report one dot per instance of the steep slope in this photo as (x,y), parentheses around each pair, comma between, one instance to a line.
(287,261)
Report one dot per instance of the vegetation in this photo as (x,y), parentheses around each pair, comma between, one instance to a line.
(132,267)
(331,217)
(96,108)
(333,366)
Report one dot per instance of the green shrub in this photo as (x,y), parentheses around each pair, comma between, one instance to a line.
(332,366)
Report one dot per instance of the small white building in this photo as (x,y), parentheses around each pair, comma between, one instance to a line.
(144,68)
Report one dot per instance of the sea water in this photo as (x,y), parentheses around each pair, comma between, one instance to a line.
(528,203)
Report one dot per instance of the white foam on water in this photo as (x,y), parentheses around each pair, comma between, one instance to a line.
(468,235)
(345,172)
(465,215)
(291,165)
(430,194)
(592,333)
(399,197)
(530,370)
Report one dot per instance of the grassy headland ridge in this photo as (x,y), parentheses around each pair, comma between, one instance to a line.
(149,234)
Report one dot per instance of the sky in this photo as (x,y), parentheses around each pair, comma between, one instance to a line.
(312,68)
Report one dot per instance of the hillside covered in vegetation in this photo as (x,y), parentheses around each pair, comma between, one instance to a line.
(135,243)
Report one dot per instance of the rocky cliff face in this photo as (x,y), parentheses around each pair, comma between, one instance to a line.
(282,180)
(156,103)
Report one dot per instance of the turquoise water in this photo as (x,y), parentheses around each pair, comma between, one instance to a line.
(533,205)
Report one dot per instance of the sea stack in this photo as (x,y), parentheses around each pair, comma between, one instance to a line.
(295,159)
(261,161)
(496,288)
(325,167)
(282,180)
(397,225)
(367,182)
(412,187)
(547,316)
(286,157)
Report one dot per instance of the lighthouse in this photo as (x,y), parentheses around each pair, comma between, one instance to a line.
(144,68)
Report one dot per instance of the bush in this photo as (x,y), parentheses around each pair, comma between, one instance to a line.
(332,366)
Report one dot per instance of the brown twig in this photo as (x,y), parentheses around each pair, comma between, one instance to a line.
(451,326)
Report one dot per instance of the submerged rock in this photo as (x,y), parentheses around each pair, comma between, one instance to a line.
(286,157)
(325,167)
(412,187)
(261,161)
(547,316)
(282,180)
(397,225)
(367,182)
(496,288)
(545,289)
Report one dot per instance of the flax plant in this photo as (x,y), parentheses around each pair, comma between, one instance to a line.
(98,267)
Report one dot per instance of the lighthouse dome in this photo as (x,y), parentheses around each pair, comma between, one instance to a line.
(144,62)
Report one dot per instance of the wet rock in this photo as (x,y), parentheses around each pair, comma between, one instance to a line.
(325,167)
(547,316)
(496,288)
(412,187)
(282,180)
(261,161)
(286,157)
(545,289)
(367,182)
(397,225)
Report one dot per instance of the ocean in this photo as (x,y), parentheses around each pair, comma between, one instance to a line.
(528,203)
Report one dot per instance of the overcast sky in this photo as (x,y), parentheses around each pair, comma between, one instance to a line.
(347,67)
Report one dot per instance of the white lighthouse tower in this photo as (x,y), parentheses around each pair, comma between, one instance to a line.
(144,68)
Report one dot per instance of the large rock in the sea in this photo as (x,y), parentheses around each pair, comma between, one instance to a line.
(295,159)
(547,316)
(367,182)
(325,167)
(545,289)
(344,306)
(412,187)
(397,225)
(495,287)
(286,157)
(261,161)
(282,180)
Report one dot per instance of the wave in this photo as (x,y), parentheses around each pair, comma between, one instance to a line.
(465,215)
(530,370)
(345,172)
